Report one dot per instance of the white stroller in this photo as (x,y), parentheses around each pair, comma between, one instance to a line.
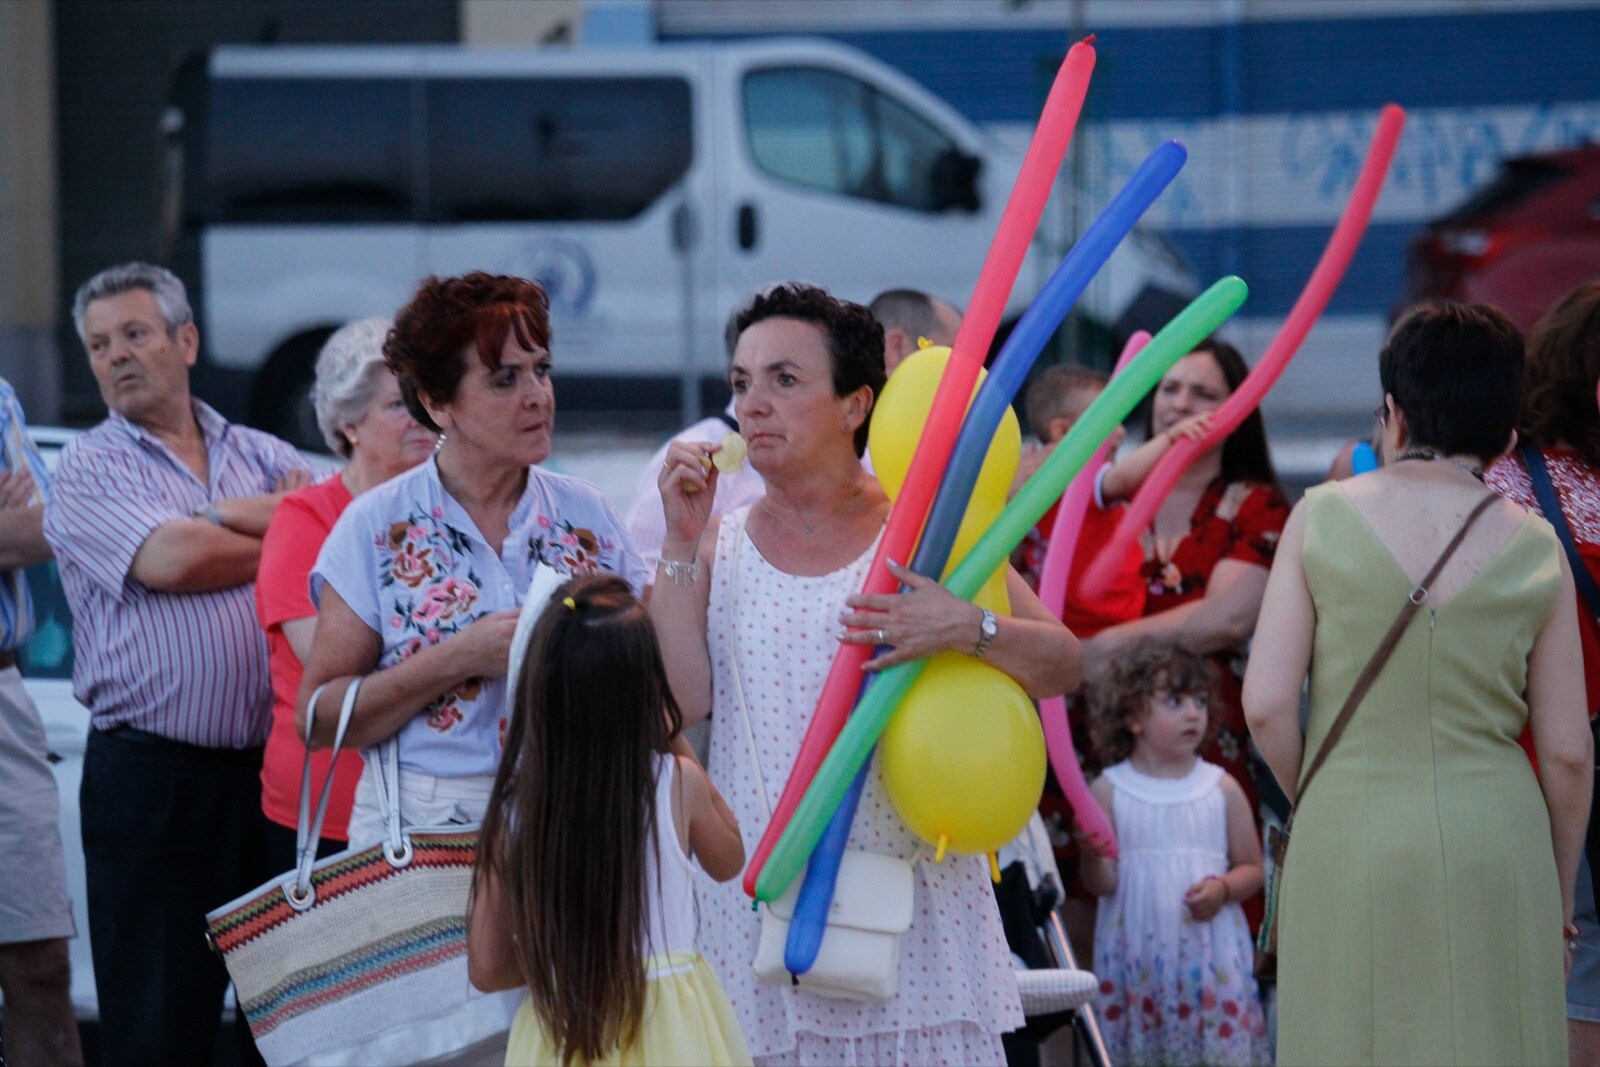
(1055,991)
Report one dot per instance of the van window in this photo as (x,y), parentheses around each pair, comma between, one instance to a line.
(307,150)
(568,149)
(829,131)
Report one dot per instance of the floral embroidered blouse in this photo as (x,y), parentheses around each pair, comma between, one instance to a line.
(411,563)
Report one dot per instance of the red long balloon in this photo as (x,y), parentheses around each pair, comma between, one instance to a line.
(910,510)
(1313,298)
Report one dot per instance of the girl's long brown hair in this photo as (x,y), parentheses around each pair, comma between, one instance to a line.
(574,809)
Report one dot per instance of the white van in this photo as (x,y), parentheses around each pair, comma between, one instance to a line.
(649,190)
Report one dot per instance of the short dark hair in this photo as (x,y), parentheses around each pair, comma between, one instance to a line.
(1245,455)
(855,340)
(911,310)
(1048,392)
(428,345)
(1455,370)
(1563,367)
(1120,695)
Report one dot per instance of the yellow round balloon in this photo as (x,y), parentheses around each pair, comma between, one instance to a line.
(963,759)
(897,422)
(902,411)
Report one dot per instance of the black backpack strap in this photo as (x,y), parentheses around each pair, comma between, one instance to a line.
(733,423)
(1545,492)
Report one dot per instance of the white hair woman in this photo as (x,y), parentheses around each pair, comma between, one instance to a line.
(364,420)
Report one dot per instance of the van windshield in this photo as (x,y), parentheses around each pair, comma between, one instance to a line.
(826,130)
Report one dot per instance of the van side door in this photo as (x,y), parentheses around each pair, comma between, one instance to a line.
(578,180)
(301,188)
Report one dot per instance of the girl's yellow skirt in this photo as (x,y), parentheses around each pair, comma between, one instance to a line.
(687,1019)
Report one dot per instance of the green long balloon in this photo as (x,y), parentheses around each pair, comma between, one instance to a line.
(854,744)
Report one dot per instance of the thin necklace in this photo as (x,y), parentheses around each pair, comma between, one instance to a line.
(808,527)
(1428,455)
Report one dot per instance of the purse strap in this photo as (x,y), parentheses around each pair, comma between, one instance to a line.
(1391,638)
(1545,492)
(738,536)
(308,829)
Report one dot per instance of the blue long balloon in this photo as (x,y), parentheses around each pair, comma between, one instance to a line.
(1011,367)
(1022,349)
(810,919)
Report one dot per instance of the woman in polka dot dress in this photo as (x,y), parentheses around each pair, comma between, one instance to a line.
(772,584)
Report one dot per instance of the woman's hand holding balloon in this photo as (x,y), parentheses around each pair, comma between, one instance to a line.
(923,620)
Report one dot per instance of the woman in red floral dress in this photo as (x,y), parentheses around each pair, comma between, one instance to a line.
(1207,554)
(1560,418)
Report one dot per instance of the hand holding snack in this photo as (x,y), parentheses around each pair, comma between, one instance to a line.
(728,457)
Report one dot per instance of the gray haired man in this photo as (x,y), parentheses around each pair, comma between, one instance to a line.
(156,518)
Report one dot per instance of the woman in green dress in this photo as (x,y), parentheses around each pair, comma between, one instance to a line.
(1428,885)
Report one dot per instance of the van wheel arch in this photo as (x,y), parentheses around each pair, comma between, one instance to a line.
(280,401)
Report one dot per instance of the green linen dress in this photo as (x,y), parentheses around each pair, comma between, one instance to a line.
(1420,908)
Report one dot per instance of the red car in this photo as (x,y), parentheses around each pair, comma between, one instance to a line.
(1520,243)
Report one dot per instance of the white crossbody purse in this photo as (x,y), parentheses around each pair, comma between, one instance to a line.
(872,900)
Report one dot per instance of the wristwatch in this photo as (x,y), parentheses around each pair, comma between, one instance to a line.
(987,628)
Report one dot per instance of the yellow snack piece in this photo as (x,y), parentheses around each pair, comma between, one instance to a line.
(729,456)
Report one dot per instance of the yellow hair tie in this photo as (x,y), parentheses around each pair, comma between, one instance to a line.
(571,604)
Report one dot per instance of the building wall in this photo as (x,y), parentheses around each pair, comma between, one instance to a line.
(1276,102)
(114,65)
(28,207)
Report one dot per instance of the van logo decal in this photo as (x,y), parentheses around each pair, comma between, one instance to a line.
(565,270)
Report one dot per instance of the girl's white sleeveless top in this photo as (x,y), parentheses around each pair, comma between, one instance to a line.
(669,875)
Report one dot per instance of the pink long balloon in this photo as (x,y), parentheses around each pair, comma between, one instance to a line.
(1053,593)
(1313,298)
(910,510)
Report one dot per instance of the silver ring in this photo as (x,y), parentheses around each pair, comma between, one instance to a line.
(883,638)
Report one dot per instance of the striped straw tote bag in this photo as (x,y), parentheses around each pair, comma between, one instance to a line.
(360,957)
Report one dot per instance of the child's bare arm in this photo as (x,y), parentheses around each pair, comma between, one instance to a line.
(1244,875)
(1207,896)
(1127,474)
(713,831)
(1099,871)
(491,963)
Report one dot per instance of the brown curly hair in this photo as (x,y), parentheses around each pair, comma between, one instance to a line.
(427,349)
(1563,365)
(1120,695)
